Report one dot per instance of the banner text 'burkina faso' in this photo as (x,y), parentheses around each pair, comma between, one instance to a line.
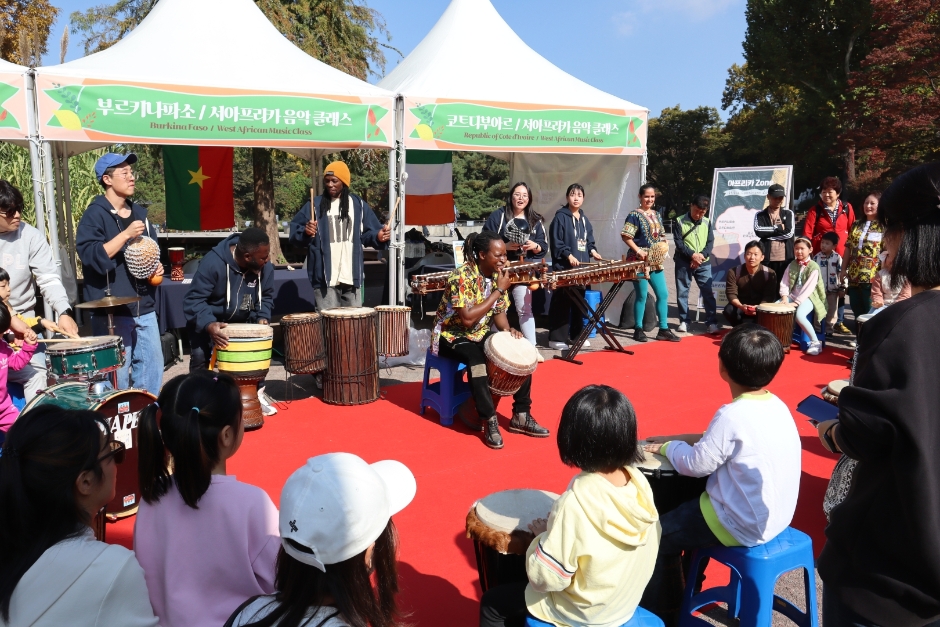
(199,185)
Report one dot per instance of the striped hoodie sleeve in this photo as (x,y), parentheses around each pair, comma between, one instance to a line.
(552,558)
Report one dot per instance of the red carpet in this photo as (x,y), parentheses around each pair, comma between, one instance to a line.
(674,387)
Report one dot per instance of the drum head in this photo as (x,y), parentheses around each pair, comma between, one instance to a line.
(347,312)
(865,317)
(835,387)
(653,462)
(510,510)
(777,308)
(83,346)
(299,317)
(392,308)
(240,330)
(515,356)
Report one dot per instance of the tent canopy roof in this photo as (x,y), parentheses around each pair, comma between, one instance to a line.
(214,43)
(10,68)
(473,54)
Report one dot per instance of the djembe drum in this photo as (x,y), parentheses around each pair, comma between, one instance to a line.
(509,361)
(352,358)
(499,527)
(304,352)
(393,321)
(832,391)
(670,489)
(247,359)
(177,255)
(778,318)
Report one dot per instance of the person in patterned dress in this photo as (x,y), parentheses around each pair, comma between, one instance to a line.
(644,235)
(474,298)
(864,245)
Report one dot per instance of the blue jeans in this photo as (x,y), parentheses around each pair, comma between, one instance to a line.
(143,353)
(703,278)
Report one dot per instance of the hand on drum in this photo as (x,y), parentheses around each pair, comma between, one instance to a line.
(66,326)
(263,321)
(516,333)
(218,337)
(538,526)
(654,447)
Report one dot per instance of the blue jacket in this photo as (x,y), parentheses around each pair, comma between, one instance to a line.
(565,240)
(223,292)
(319,264)
(499,220)
(98,225)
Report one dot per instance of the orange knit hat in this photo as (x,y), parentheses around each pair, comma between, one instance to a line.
(340,170)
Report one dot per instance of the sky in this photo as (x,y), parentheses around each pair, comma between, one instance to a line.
(654,53)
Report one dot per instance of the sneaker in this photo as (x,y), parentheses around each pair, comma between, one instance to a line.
(558,346)
(852,344)
(639,336)
(525,424)
(267,403)
(491,435)
(683,328)
(814,348)
(666,335)
(586,344)
(712,328)
(841,328)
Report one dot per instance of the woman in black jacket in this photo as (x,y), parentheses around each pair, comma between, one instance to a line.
(774,226)
(881,562)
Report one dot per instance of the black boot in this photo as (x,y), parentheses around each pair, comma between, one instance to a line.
(666,335)
(639,336)
(491,435)
(525,424)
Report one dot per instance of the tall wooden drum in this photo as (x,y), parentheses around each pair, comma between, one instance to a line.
(304,352)
(393,324)
(509,361)
(778,318)
(247,359)
(352,358)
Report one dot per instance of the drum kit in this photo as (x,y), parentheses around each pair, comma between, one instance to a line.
(778,318)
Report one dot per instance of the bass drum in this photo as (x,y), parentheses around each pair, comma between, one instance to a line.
(121,409)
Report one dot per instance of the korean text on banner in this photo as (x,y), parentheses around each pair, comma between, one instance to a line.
(737,195)
(429,192)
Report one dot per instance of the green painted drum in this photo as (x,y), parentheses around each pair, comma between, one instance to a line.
(247,359)
(79,359)
(121,409)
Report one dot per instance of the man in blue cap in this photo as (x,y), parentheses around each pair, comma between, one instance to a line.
(110,222)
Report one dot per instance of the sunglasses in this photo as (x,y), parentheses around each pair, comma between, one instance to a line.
(116,450)
(9,213)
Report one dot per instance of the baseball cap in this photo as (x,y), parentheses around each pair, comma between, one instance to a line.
(776,191)
(336,505)
(112,159)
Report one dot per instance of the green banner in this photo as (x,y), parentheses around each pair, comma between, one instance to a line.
(6,118)
(155,114)
(476,125)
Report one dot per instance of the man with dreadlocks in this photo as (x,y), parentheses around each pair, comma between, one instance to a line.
(334,232)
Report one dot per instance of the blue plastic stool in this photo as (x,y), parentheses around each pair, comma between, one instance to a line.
(641,618)
(754,572)
(803,340)
(593,298)
(449,393)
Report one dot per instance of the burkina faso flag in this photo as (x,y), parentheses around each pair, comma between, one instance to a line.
(199,193)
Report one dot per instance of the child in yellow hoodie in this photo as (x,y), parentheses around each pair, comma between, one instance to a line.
(591,560)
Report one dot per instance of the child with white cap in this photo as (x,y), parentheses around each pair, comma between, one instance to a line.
(336,533)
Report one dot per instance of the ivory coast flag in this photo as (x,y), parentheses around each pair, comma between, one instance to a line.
(429,191)
(199,184)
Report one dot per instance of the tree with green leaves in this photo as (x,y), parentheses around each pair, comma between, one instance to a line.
(481,183)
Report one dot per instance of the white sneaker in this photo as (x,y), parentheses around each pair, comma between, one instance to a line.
(586,344)
(267,403)
(713,328)
(558,346)
(814,348)
(683,328)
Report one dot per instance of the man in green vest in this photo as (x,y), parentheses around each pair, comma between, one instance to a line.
(694,239)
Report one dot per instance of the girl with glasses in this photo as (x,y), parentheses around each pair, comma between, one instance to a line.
(57,470)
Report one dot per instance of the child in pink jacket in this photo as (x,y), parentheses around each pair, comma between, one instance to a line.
(11,360)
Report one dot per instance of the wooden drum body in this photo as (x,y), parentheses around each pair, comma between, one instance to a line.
(247,359)
(499,527)
(509,361)
(832,391)
(393,321)
(304,351)
(778,318)
(352,359)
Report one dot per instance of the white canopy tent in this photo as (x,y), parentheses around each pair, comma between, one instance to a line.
(211,73)
(472,84)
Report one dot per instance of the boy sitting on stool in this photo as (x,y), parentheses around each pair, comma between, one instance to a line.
(751,455)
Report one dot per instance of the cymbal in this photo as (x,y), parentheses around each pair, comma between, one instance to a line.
(108,301)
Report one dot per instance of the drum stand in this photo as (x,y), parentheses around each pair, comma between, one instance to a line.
(595,318)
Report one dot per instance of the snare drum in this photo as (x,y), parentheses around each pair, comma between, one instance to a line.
(247,359)
(509,362)
(670,489)
(831,392)
(77,360)
(499,527)
(778,318)
(121,409)
(393,322)
(352,359)
(304,352)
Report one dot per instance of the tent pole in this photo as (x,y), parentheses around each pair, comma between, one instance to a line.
(402,176)
(60,197)
(67,205)
(394,246)
(51,210)
(643,161)
(34,160)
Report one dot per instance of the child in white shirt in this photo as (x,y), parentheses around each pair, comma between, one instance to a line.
(830,266)
(751,454)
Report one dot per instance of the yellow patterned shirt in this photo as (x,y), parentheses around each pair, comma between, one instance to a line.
(465,287)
